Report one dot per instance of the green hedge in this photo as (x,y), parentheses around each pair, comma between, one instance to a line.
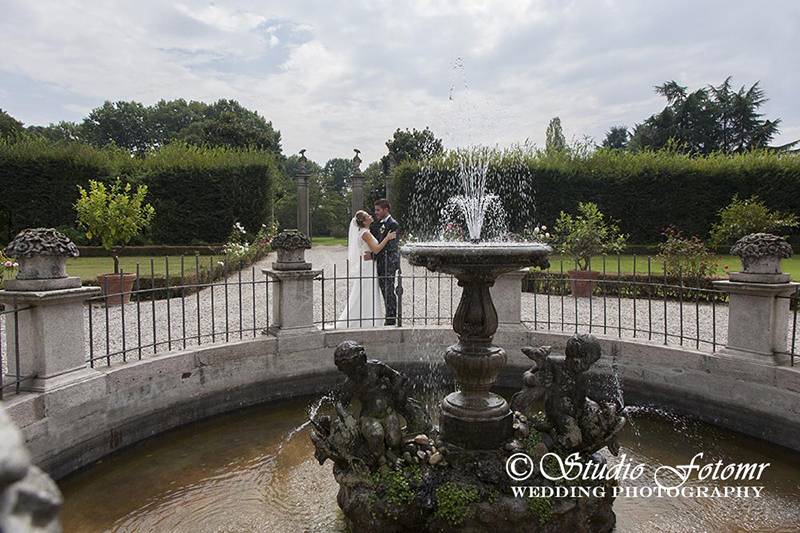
(645,191)
(198,192)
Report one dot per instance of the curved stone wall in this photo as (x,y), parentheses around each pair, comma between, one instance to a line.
(117,406)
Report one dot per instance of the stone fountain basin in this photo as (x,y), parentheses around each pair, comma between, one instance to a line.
(485,258)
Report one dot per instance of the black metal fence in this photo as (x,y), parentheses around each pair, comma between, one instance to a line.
(196,311)
(11,381)
(645,304)
(423,297)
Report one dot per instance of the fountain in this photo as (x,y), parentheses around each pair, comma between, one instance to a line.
(456,477)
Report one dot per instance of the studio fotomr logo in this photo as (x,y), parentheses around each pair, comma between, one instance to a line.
(668,481)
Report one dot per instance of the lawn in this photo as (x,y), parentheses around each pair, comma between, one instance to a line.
(329,241)
(88,268)
(626,262)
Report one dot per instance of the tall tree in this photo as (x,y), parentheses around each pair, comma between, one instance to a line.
(410,145)
(63,131)
(10,128)
(228,123)
(555,142)
(338,170)
(710,119)
(616,138)
(124,124)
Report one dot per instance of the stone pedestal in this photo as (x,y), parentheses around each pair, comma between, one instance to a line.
(758,319)
(507,298)
(292,302)
(51,336)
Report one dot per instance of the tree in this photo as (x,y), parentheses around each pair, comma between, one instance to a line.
(121,123)
(710,119)
(113,215)
(616,138)
(555,142)
(167,119)
(63,131)
(10,128)
(410,145)
(227,123)
(338,170)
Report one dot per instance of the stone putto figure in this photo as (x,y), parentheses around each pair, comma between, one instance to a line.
(575,422)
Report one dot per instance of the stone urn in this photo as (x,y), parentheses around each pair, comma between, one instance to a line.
(761,255)
(291,246)
(42,256)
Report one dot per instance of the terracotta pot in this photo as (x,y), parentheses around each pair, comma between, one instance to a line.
(582,282)
(117,287)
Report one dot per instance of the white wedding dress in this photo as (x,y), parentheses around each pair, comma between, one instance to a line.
(365,307)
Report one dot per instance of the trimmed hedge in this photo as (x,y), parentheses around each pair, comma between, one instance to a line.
(198,192)
(645,191)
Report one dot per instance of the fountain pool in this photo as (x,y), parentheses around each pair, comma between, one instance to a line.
(239,472)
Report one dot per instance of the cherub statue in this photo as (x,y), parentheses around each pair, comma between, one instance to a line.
(384,395)
(574,421)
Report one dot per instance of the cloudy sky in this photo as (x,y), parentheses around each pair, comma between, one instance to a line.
(333,75)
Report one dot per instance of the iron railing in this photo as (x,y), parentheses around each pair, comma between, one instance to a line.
(10,381)
(423,297)
(196,311)
(645,304)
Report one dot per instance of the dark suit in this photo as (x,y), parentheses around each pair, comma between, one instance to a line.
(387,265)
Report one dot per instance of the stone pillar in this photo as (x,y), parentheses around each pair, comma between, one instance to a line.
(357,184)
(758,314)
(293,296)
(507,298)
(388,184)
(50,332)
(303,210)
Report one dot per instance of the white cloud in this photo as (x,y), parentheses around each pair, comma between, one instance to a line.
(333,75)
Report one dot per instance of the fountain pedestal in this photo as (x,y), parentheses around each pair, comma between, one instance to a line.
(473,417)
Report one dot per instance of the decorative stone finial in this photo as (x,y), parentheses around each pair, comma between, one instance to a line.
(291,245)
(761,255)
(42,254)
(41,241)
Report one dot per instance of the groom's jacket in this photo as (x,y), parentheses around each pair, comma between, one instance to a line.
(390,255)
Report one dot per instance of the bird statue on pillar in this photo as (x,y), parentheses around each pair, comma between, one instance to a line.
(357,161)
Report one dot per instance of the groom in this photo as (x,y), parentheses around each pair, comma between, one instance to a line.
(388,259)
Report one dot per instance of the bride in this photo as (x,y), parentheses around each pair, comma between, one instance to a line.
(365,307)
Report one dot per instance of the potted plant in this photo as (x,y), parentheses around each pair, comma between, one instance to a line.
(114,215)
(582,236)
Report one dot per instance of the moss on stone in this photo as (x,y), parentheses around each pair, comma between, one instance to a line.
(454,501)
(542,508)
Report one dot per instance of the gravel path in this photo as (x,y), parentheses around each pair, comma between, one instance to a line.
(241,309)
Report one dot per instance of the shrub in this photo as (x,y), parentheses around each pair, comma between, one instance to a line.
(743,217)
(8,267)
(587,234)
(685,257)
(113,215)
(453,501)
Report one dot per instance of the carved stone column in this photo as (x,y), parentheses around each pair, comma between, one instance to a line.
(293,296)
(49,329)
(758,314)
(357,184)
(303,209)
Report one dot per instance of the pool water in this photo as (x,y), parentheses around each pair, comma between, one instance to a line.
(244,472)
